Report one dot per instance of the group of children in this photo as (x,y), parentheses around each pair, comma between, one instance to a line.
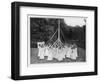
(58,53)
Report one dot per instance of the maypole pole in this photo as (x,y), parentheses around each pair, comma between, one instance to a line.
(58,29)
(59,39)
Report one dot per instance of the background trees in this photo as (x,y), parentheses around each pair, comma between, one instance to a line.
(43,28)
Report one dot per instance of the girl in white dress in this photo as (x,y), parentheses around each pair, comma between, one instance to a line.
(68,53)
(41,50)
(50,54)
(60,54)
(46,51)
(74,54)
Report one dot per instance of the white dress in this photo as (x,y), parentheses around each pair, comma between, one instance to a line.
(65,51)
(54,52)
(46,51)
(50,55)
(41,50)
(69,52)
(59,55)
(74,54)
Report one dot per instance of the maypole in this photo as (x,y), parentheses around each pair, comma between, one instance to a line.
(59,30)
(57,49)
(58,43)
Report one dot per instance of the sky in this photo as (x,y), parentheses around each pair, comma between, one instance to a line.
(74,21)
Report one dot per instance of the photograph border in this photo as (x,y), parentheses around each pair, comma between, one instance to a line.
(15,39)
